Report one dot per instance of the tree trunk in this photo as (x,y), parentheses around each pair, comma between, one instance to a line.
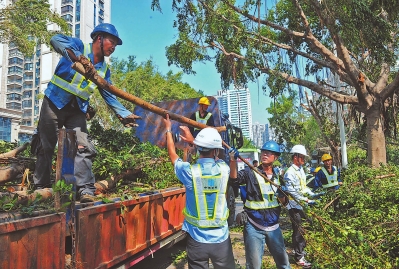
(376,148)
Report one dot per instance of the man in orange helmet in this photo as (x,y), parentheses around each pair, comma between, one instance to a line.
(202,115)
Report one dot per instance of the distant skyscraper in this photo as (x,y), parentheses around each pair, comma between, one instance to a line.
(24,77)
(260,133)
(237,103)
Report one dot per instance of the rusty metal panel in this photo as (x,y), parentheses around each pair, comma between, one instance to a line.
(151,128)
(37,242)
(110,234)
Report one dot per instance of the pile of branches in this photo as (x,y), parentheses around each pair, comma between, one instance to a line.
(363,231)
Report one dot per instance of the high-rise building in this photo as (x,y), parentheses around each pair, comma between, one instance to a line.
(260,133)
(237,103)
(25,77)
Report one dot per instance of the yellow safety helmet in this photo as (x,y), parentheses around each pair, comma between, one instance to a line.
(326,157)
(204,101)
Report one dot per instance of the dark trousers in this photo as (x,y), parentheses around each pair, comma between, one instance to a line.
(298,241)
(198,254)
(51,120)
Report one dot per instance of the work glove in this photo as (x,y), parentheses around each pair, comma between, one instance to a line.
(129,121)
(317,195)
(90,113)
(233,153)
(312,202)
(90,70)
(241,218)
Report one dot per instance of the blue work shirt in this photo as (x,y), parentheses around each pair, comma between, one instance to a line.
(209,167)
(321,179)
(60,97)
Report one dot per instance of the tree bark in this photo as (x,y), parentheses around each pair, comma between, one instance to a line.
(376,148)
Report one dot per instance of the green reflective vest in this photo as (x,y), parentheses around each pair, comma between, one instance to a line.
(332,180)
(203,187)
(269,199)
(201,120)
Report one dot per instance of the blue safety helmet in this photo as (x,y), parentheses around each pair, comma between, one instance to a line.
(106,28)
(272,146)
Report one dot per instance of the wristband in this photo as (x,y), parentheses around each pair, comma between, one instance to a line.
(168,131)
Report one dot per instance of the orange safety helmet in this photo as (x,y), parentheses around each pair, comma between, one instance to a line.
(326,157)
(204,101)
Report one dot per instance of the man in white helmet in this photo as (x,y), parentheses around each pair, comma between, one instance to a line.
(295,184)
(206,211)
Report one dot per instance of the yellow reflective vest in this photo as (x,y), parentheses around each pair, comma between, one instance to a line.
(268,194)
(79,86)
(332,180)
(201,120)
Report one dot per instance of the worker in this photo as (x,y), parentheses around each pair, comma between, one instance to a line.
(295,185)
(206,210)
(202,115)
(261,209)
(255,163)
(66,101)
(328,177)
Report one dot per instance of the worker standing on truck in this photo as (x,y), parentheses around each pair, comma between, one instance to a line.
(206,211)
(202,115)
(295,184)
(261,209)
(66,102)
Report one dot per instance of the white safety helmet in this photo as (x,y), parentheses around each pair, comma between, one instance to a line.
(300,149)
(207,139)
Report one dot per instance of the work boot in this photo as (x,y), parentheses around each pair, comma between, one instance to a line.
(87,198)
(304,263)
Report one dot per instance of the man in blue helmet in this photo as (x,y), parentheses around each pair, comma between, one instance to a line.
(261,209)
(66,103)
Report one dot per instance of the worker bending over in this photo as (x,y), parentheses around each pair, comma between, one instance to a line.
(66,101)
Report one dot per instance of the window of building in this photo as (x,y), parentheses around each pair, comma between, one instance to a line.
(5,129)
(14,69)
(25,104)
(67,17)
(77,30)
(77,12)
(28,66)
(66,9)
(13,97)
(65,2)
(101,13)
(14,105)
(15,60)
(101,4)
(23,138)
(100,20)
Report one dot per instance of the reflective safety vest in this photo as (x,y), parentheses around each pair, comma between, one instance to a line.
(203,187)
(79,86)
(268,194)
(201,120)
(302,181)
(332,180)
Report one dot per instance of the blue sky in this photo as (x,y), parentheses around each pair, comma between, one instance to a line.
(146,33)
